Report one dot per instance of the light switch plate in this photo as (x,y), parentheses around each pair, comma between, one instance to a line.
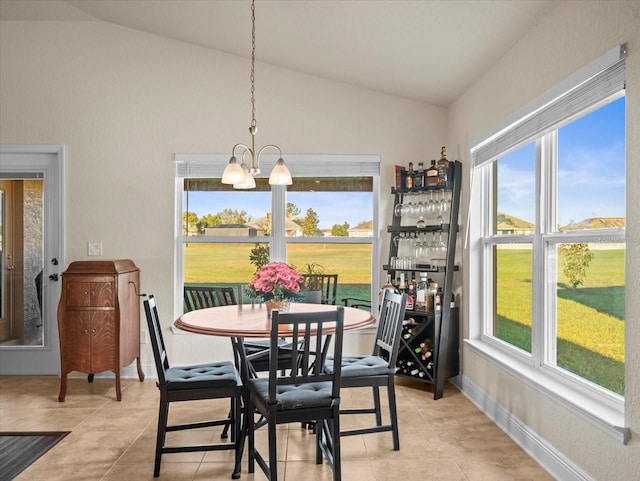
(94,248)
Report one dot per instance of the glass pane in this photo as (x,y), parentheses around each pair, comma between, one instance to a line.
(219,264)
(590,312)
(512,318)
(216,209)
(515,181)
(331,206)
(352,263)
(21,254)
(591,170)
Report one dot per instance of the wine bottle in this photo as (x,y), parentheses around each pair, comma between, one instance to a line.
(410,302)
(421,293)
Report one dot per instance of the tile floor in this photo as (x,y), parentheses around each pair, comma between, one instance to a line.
(444,440)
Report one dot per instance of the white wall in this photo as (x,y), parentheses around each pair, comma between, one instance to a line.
(571,36)
(123,102)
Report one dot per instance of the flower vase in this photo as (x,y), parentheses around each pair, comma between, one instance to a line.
(281,305)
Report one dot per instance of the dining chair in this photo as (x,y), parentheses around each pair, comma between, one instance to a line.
(378,369)
(190,383)
(305,393)
(326,283)
(201,297)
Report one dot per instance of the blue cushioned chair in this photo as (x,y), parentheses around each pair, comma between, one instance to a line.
(189,383)
(304,394)
(378,369)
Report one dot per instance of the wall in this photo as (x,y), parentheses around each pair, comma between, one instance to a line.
(123,102)
(571,36)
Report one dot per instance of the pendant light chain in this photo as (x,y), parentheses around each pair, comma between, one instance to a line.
(253,66)
(241,175)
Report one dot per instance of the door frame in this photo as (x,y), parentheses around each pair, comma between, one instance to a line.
(48,160)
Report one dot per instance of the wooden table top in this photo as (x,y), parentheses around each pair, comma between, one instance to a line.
(252,322)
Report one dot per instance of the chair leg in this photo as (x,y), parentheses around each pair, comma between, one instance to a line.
(335,441)
(393,413)
(251,434)
(225,431)
(237,434)
(163,415)
(273,453)
(376,405)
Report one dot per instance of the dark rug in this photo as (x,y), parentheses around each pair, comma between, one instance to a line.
(19,449)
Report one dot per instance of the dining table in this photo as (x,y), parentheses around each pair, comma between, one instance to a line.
(251,321)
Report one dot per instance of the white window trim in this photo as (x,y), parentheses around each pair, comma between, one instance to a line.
(300,165)
(600,407)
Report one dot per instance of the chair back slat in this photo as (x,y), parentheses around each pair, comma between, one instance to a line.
(157,341)
(326,283)
(202,297)
(390,326)
(308,356)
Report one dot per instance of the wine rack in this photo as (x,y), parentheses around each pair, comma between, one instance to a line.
(429,348)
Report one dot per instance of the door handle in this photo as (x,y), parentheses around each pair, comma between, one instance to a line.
(53,277)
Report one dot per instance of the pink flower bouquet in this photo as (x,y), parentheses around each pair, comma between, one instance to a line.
(276,281)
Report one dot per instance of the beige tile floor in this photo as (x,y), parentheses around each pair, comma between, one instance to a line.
(444,440)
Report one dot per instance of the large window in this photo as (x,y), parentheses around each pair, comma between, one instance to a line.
(550,193)
(326,221)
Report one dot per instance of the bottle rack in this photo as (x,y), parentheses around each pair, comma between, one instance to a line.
(439,330)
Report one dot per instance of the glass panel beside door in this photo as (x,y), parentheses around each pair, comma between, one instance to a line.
(21,261)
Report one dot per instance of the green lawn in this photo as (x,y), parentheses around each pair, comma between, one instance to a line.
(228,264)
(590,325)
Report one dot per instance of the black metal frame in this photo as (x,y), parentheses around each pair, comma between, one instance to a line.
(328,284)
(201,297)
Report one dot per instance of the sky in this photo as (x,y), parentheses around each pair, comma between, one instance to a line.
(591,180)
(591,170)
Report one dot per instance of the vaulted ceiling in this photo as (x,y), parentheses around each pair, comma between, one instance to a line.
(430,50)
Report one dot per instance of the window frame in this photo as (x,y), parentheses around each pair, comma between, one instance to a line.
(300,165)
(537,369)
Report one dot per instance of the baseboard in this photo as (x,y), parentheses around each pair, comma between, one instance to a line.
(558,465)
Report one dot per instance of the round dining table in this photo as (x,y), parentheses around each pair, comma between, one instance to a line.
(252,321)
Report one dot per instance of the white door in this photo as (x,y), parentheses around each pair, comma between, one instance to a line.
(31,190)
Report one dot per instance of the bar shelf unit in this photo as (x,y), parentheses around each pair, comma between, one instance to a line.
(438,330)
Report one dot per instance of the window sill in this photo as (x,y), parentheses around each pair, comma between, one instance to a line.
(608,420)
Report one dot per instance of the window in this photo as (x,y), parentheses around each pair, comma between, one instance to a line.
(327,218)
(550,192)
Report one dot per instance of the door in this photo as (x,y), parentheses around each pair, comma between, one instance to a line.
(30,258)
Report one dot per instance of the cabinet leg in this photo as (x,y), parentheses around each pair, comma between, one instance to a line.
(118,392)
(139,365)
(63,387)
(90,378)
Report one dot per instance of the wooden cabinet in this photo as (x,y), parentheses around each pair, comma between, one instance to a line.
(99,319)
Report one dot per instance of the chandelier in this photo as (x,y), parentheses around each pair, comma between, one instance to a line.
(241,175)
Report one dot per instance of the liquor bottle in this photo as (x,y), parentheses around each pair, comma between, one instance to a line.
(419,177)
(431,296)
(386,286)
(410,302)
(437,300)
(410,176)
(421,293)
(443,168)
(431,176)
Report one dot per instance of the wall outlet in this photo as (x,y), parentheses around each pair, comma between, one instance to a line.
(94,248)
